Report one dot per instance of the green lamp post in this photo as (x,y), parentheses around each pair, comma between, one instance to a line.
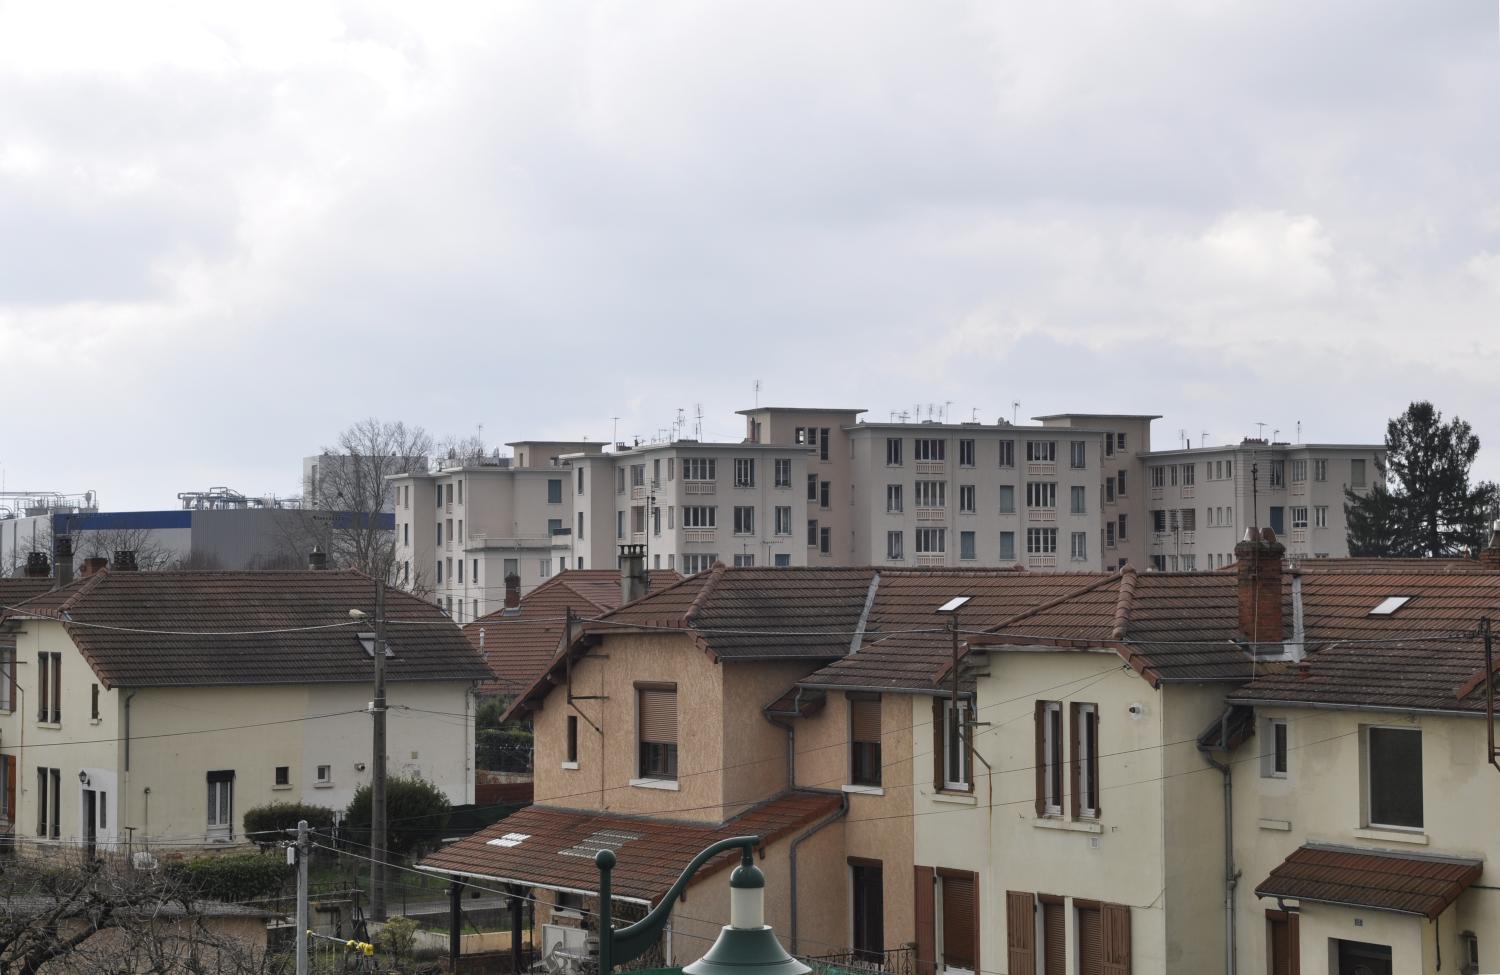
(746,945)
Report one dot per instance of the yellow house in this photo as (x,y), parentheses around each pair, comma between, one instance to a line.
(151,709)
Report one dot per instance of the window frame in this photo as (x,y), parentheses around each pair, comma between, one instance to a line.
(1084,763)
(864,755)
(945,713)
(1274,760)
(1050,759)
(1367,761)
(657,760)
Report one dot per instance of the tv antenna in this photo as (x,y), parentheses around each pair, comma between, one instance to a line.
(757,392)
(1299,431)
(1015,410)
(1260,431)
(614,430)
(698,426)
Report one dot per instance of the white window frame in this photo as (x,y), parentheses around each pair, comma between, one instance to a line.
(783,519)
(701,516)
(964,780)
(1053,776)
(1078,500)
(744,472)
(744,519)
(1088,763)
(967,505)
(783,472)
(929,450)
(1079,547)
(1007,453)
(1041,451)
(1012,556)
(895,546)
(927,536)
(1041,494)
(1320,516)
(1320,469)
(1299,516)
(1078,454)
(893,500)
(1271,728)
(930,494)
(699,469)
(966,453)
(1007,490)
(973,544)
(893,451)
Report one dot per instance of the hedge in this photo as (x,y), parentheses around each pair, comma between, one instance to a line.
(232,877)
(278,817)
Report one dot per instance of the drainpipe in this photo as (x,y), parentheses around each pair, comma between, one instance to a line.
(791,740)
(124,804)
(1231,875)
(837,814)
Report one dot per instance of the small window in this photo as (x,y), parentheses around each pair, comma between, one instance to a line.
(1078,454)
(893,451)
(1273,752)
(1389,605)
(966,499)
(1393,777)
(283,775)
(744,520)
(572,738)
(367,640)
(966,545)
(554,490)
(568,904)
(825,541)
(1007,499)
(656,730)
(1007,546)
(1079,551)
(895,546)
(1007,453)
(957,757)
(324,774)
(1049,758)
(221,802)
(783,520)
(784,472)
(864,739)
(1085,761)
(1079,500)
(94,702)
(744,472)
(893,498)
(966,453)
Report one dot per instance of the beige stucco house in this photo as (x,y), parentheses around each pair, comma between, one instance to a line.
(153,708)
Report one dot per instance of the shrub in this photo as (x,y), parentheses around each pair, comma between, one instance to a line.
(416,815)
(397,937)
(232,877)
(276,817)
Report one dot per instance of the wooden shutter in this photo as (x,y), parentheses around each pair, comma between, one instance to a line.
(1039,720)
(1054,936)
(960,921)
(1020,933)
(922,906)
(1282,937)
(864,718)
(1115,935)
(1294,942)
(939,745)
(658,715)
(1075,779)
(1090,947)
(10,788)
(1097,763)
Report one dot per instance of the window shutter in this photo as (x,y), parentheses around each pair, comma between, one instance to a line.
(1075,780)
(864,718)
(1294,942)
(10,788)
(1054,936)
(939,749)
(923,909)
(1039,719)
(1098,769)
(1090,960)
(960,922)
(658,715)
(1115,929)
(1020,933)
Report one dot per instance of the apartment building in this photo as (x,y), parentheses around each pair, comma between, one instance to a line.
(1200,501)
(693,504)
(1127,437)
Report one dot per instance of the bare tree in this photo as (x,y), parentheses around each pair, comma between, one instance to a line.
(151,554)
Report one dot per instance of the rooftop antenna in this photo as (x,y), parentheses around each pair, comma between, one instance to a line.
(1299,431)
(947,409)
(698,426)
(1015,410)
(974,415)
(614,431)
(1182,436)
(1260,431)
(1203,439)
(757,392)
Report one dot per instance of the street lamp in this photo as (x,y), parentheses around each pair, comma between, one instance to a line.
(745,946)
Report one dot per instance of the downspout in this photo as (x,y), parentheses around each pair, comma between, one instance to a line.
(837,814)
(791,739)
(125,826)
(1231,875)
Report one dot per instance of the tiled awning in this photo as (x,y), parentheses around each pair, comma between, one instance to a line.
(1399,882)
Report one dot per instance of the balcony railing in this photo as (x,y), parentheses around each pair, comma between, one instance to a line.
(1041,561)
(1188,490)
(931,466)
(892,961)
(699,534)
(1041,514)
(637,492)
(932,558)
(1041,467)
(698,487)
(931,514)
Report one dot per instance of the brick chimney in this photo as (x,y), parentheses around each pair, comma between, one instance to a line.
(1259,562)
(62,559)
(512,591)
(317,559)
(1489,556)
(94,565)
(38,566)
(124,560)
(634,582)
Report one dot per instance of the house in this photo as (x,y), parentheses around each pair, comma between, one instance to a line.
(132,696)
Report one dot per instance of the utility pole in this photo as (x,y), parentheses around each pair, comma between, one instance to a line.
(377,778)
(300,852)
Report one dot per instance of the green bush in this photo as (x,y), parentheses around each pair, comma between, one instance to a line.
(276,817)
(232,877)
(416,815)
(397,937)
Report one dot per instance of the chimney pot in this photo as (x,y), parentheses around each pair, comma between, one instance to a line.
(317,559)
(634,582)
(124,560)
(62,559)
(512,591)
(38,566)
(94,565)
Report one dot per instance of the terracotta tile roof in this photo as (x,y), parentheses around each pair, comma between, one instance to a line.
(18,589)
(1400,882)
(1337,606)
(557,848)
(257,627)
(519,645)
(1382,564)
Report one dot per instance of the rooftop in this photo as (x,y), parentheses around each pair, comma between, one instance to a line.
(1405,883)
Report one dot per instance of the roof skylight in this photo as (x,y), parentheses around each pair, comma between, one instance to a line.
(510,839)
(1389,605)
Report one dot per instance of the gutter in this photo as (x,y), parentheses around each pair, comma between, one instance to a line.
(837,814)
(791,740)
(1383,709)
(1231,875)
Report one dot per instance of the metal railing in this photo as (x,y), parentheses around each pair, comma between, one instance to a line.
(891,961)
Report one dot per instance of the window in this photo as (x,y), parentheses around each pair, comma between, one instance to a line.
(1299,517)
(1041,541)
(619,480)
(49,802)
(656,519)
(823,444)
(812,532)
(699,516)
(893,498)
(825,541)
(221,801)
(1273,754)
(572,740)
(931,541)
(49,687)
(893,451)
(956,767)
(448,491)
(580,526)
(1188,475)
(1356,473)
(323,775)
(931,494)
(1109,534)
(1158,477)
(1085,767)
(1320,516)
(1007,453)
(1121,531)
(655,471)
(806,435)
(867,888)
(783,472)
(783,560)
(554,526)
(1079,551)
(1120,484)
(744,520)
(554,490)
(812,487)
(1007,546)
(1103,933)
(619,524)
(1320,470)
(744,472)
(824,494)
(544,567)
(1120,442)
(1393,777)
(895,546)
(966,453)
(966,545)
(94,702)
(1007,499)
(8,693)
(959,928)
(283,775)
(1049,758)
(1172,474)
(1159,563)
(1078,454)
(656,730)
(1299,470)
(926,449)
(966,499)
(460,570)
(1041,494)
(1189,518)
(406,533)
(580,480)
(1109,445)
(693,564)
(1079,498)
(637,475)
(783,520)
(864,739)
(1109,490)
(1158,521)
(1041,451)
(1278,473)
(696,469)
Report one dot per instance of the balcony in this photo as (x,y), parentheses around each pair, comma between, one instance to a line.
(932,466)
(891,961)
(1158,493)
(1041,467)
(638,492)
(932,558)
(1189,538)
(931,514)
(698,487)
(1188,490)
(1299,535)
(699,534)
(1041,561)
(1041,514)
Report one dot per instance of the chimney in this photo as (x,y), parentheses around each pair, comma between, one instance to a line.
(38,566)
(634,583)
(62,559)
(1259,563)
(512,591)
(94,565)
(1489,556)
(317,559)
(124,560)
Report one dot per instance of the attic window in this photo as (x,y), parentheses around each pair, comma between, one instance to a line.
(367,640)
(1389,605)
(510,839)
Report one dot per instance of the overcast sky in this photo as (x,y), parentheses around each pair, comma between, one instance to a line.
(227,233)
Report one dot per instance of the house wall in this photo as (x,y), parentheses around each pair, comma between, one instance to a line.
(755,750)
(1119,858)
(1321,801)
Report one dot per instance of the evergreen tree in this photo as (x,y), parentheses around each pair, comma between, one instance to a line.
(1423,504)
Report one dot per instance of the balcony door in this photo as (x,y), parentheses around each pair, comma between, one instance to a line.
(868,900)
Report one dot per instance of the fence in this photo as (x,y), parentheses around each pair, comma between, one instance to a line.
(891,961)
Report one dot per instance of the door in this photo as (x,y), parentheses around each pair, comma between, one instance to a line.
(869,909)
(1282,943)
(8,783)
(90,823)
(1359,958)
(1278,522)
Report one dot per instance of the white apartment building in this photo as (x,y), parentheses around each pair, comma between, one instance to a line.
(693,504)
